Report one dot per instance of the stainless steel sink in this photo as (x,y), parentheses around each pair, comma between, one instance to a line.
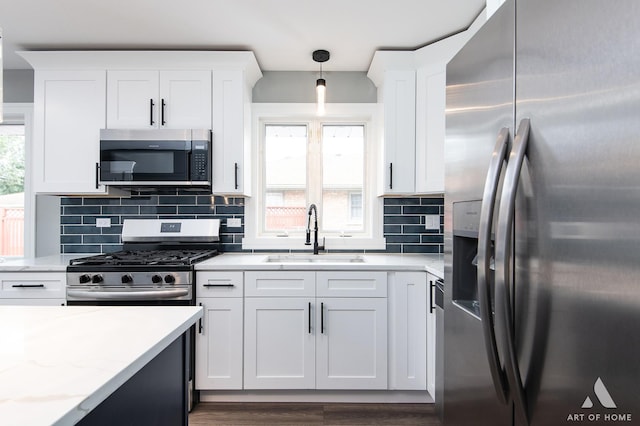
(315,258)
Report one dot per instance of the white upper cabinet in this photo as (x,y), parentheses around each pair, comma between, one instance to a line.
(69,111)
(231,133)
(139,99)
(411,90)
(77,93)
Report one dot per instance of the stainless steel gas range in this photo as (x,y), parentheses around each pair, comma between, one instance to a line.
(156,265)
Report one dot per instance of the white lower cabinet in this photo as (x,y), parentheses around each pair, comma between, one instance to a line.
(408,330)
(294,342)
(219,333)
(351,345)
(279,343)
(33,288)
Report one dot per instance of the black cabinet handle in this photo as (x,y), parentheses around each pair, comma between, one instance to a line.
(97,175)
(162,105)
(28,286)
(218,285)
(200,322)
(236,174)
(432,295)
(309,317)
(390,175)
(151,104)
(322,318)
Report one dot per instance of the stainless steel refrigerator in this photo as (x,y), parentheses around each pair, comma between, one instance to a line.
(542,217)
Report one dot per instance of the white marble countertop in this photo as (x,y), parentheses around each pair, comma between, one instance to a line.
(433,263)
(59,362)
(55,263)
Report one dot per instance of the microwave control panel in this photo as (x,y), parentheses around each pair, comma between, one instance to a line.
(200,161)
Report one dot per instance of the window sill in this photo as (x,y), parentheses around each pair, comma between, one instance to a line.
(296,243)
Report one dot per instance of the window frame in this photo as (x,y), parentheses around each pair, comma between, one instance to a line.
(22,113)
(265,113)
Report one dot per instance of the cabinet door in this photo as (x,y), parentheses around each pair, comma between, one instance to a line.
(431,337)
(279,350)
(132,99)
(219,344)
(430,130)
(352,343)
(69,111)
(408,330)
(185,99)
(231,133)
(399,97)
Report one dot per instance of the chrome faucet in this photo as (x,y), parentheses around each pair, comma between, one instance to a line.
(316,247)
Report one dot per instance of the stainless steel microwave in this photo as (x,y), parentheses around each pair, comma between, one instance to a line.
(155,157)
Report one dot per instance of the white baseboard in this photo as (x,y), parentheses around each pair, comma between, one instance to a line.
(317,396)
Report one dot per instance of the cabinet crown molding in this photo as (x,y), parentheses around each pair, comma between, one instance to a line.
(145,59)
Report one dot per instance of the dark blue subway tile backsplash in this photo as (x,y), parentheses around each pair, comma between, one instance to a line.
(404,222)
(404,225)
(78,233)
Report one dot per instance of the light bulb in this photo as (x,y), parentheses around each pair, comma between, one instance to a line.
(321,88)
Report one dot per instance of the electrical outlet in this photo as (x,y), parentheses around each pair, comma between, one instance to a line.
(235,222)
(432,222)
(103,222)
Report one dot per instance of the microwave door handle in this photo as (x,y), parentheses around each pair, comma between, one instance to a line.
(484,255)
(97,175)
(503,266)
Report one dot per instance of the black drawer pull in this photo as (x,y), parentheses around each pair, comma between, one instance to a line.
(218,285)
(28,286)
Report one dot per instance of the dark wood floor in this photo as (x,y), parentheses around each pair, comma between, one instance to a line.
(216,413)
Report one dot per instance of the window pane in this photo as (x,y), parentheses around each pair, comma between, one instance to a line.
(12,190)
(342,177)
(285,151)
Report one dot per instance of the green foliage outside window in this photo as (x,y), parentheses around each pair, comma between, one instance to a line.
(11,163)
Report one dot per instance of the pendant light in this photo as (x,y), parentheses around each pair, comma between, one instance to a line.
(321,56)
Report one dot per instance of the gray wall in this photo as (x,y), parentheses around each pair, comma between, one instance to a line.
(18,86)
(274,86)
(300,87)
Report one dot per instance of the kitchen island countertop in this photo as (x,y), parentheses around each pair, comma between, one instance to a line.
(60,362)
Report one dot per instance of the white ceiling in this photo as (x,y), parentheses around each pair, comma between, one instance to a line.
(281,33)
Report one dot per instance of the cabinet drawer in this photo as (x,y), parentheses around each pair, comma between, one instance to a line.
(280,283)
(219,284)
(351,284)
(32,286)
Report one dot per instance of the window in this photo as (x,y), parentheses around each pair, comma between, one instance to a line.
(303,160)
(13,202)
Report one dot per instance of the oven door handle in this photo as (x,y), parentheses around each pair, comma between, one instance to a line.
(127,295)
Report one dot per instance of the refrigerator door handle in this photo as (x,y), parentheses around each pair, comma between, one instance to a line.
(504,237)
(484,264)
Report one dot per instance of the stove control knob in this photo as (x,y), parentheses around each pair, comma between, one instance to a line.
(169,279)
(84,278)
(156,279)
(127,278)
(97,279)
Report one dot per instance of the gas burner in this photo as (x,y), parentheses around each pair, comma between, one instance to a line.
(147,257)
